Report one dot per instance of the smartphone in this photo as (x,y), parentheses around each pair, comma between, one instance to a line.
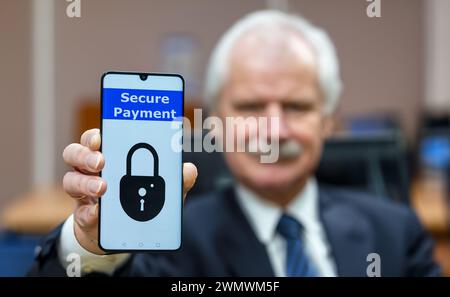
(142,136)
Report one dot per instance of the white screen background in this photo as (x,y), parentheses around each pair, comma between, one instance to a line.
(118,230)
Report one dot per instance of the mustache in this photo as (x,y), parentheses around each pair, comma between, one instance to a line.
(289,149)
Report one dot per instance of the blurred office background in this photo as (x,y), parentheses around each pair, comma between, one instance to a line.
(393,134)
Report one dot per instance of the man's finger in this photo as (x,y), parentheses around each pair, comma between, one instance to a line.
(189,177)
(86,216)
(82,158)
(91,139)
(80,185)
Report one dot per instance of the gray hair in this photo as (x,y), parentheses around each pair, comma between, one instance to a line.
(326,57)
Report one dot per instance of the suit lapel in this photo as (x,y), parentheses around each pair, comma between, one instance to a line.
(347,232)
(242,252)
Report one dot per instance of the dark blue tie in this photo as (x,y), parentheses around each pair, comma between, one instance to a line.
(297,262)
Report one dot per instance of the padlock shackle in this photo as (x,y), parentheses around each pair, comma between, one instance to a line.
(147,147)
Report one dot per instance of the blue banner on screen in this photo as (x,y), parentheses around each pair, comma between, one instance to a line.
(142,105)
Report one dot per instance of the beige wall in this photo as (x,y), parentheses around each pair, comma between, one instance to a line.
(437,56)
(382,59)
(125,35)
(15,40)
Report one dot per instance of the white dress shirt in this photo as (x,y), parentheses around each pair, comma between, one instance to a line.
(68,245)
(263,217)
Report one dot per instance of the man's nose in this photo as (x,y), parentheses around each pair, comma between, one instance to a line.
(277,125)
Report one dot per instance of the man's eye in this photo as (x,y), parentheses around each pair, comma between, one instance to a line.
(249,106)
(297,107)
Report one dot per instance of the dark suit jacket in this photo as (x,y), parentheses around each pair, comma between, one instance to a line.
(218,240)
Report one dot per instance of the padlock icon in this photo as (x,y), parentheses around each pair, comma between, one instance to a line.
(142,197)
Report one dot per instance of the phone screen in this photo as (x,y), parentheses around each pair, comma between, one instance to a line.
(141,142)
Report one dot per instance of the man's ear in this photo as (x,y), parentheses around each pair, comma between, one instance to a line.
(328,126)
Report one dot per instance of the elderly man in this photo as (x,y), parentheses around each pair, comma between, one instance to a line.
(276,220)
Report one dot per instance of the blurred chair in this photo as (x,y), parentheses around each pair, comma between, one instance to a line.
(374,163)
(434,155)
(372,124)
(213,172)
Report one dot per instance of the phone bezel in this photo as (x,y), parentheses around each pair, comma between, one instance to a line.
(148,74)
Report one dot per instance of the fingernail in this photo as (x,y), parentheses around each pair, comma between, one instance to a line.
(94,186)
(94,140)
(93,161)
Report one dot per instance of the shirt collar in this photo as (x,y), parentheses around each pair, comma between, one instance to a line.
(264,215)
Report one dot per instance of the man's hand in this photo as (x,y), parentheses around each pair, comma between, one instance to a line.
(85,186)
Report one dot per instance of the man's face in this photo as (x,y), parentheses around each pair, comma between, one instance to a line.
(269,79)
